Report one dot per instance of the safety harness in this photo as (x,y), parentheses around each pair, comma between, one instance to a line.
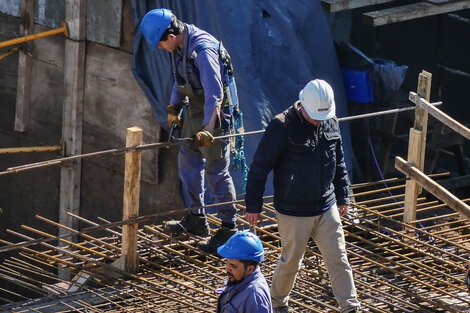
(230,108)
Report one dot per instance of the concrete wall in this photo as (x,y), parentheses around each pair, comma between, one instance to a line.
(113,102)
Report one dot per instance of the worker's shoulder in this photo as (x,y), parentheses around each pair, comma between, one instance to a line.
(287,116)
(332,123)
(200,40)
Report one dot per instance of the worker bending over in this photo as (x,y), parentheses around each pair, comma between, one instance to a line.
(203,73)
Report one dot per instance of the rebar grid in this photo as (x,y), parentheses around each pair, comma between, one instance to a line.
(396,268)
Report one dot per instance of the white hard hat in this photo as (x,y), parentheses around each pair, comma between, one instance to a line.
(318,100)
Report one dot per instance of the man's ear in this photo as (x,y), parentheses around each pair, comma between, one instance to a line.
(171,37)
(250,269)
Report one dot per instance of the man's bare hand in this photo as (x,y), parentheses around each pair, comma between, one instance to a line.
(343,209)
(252,218)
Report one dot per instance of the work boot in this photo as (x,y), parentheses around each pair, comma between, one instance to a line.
(219,238)
(190,223)
(282,309)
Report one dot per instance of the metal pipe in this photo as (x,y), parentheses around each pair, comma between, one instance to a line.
(51,32)
(157,145)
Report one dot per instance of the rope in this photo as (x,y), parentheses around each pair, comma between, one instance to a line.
(238,153)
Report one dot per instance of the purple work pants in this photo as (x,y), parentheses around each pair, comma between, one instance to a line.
(192,166)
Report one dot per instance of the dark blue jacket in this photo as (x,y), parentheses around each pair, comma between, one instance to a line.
(308,163)
(250,296)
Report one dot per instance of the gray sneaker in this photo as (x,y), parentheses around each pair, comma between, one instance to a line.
(282,309)
(219,238)
(190,223)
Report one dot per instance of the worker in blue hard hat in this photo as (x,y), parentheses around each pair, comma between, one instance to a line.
(203,75)
(247,290)
(303,148)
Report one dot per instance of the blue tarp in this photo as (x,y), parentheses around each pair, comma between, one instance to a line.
(276,48)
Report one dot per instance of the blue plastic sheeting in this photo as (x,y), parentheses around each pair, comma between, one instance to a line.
(276,47)
(387,76)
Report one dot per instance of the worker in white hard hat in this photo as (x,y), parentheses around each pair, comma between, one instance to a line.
(302,146)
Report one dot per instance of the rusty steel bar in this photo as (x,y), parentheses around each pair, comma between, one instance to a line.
(412,278)
(124,273)
(413,258)
(413,228)
(107,257)
(169,144)
(359,283)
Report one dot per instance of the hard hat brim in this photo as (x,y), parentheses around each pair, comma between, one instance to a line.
(321,116)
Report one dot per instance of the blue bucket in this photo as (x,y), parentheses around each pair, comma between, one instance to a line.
(358,85)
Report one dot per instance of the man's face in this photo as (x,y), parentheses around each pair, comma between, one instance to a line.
(169,44)
(308,118)
(236,271)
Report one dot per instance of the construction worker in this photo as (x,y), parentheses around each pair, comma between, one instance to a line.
(247,290)
(202,69)
(302,145)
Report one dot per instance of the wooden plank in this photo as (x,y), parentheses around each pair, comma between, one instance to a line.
(72,123)
(412,11)
(421,116)
(433,187)
(441,116)
(417,147)
(131,200)
(341,5)
(72,116)
(411,189)
(75,16)
(23,93)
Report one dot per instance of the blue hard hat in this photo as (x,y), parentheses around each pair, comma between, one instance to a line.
(243,246)
(154,24)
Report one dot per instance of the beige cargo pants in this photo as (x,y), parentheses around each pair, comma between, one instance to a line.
(327,232)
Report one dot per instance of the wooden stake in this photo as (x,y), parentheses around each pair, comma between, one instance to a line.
(421,115)
(131,200)
(417,147)
(411,189)
(72,116)
(23,92)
